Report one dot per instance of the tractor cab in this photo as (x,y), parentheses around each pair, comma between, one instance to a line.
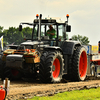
(41,26)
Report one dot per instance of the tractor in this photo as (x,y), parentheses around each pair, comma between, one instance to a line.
(37,56)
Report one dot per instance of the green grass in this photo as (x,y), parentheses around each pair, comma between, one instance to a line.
(91,94)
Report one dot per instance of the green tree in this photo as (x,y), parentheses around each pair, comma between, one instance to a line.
(13,35)
(1,29)
(27,32)
(83,39)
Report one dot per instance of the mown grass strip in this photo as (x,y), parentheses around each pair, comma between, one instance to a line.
(91,94)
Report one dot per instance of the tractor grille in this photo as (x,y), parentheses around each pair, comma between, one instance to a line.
(19,52)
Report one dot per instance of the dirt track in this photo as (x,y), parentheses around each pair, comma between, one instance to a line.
(24,89)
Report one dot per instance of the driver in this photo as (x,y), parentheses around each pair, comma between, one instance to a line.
(51,32)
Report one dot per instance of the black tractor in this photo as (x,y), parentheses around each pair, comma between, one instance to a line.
(51,62)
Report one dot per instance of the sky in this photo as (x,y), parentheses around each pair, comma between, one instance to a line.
(84,15)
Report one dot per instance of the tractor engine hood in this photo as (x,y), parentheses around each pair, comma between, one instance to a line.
(32,43)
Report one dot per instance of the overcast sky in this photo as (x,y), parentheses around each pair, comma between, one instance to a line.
(84,15)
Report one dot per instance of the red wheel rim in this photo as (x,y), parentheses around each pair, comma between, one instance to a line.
(83,64)
(14,72)
(56,72)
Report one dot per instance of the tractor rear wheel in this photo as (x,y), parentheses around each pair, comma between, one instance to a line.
(51,67)
(79,64)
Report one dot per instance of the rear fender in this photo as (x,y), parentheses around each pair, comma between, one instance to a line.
(52,48)
(68,46)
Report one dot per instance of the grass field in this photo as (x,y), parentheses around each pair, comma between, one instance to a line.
(91,94)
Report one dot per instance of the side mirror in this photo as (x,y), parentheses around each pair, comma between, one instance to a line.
(20,27)
(68,28)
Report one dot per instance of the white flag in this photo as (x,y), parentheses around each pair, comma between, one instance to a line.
(1,40)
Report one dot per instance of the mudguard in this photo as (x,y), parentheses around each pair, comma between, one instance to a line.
(68,46)
(52,48)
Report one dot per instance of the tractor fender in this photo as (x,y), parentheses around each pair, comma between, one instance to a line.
(68,46)
(49,48)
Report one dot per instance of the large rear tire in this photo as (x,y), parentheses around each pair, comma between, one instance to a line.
(51,67)
(79,64)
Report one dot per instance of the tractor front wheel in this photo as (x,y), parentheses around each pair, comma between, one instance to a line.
(51,67)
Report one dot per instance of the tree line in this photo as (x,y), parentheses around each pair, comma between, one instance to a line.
(84,40)
(13,35)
